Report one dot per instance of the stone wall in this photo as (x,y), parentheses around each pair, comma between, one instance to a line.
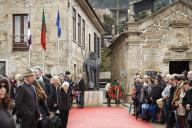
(70,52)
(118,61)
(155,41)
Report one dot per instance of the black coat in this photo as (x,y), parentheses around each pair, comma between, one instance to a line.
(156,92)
(54,98)
(13,91)
(147,92)
(81,85)
(48,88)
(187,99)
(64,102)
(6,120)
(43,107)
(26,102)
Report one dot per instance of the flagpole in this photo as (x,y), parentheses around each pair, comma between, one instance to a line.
(29,58)
(28,40)
(43,61)
(29,33)
(58,38)
(43,48)
(58,55)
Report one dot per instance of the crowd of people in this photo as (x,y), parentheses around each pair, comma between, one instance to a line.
(165,99)
(37,100)
(44,101)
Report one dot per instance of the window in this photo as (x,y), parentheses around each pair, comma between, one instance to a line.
(79,29)
(83,33)
(89,42)
(74,24)
(2,67)
(95,42)
(20,26)
(98,47)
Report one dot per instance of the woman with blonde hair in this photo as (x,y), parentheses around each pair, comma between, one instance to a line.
(42,104)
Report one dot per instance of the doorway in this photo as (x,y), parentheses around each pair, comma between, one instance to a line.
(178,66)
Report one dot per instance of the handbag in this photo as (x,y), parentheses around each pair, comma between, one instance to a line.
(43,123)
(152,108)
(189,116)
(55,122)
(75,93)
(145,106)
(160,103)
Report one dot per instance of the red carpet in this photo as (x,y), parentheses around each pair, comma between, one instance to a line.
(104,117)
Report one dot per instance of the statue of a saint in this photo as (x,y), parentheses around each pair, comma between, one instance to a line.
(92,71)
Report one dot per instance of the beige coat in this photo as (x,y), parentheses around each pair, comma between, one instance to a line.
(180,108)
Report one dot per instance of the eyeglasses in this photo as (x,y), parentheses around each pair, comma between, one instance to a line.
(2,85)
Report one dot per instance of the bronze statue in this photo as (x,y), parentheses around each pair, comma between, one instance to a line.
(92,71)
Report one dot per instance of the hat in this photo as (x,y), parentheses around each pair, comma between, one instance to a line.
(67,73)
(28,72)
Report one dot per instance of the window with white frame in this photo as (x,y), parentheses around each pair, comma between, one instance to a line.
(79,29)
(20,26)
(74,24)
(83,33)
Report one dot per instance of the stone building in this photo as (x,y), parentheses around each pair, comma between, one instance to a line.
(162,42)
(81,34)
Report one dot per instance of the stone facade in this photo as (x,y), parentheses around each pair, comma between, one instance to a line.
(152,43)
(71,54)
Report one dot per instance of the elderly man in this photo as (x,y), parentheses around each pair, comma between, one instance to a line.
(44,82)
(189,75)
(54,102)
(80,87)
(26,102)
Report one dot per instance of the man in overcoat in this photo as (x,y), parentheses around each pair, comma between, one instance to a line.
(26,102)
(81,89)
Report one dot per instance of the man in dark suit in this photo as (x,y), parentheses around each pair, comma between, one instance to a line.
(46,83)
(55,96)
(26,102)
(81,89)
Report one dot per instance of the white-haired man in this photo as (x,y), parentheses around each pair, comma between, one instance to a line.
(47,84)
(54,101)
(189,75)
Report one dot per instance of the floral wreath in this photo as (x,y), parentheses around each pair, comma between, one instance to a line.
(115,91)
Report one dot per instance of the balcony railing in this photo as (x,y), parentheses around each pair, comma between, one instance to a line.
(20,43)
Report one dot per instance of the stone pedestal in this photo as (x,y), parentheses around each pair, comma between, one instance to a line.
(93,98)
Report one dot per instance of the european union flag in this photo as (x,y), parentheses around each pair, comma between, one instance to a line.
(58,24)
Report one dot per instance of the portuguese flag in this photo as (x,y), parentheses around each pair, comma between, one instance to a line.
(43,32)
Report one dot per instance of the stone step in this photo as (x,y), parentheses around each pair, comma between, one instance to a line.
(93,98)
